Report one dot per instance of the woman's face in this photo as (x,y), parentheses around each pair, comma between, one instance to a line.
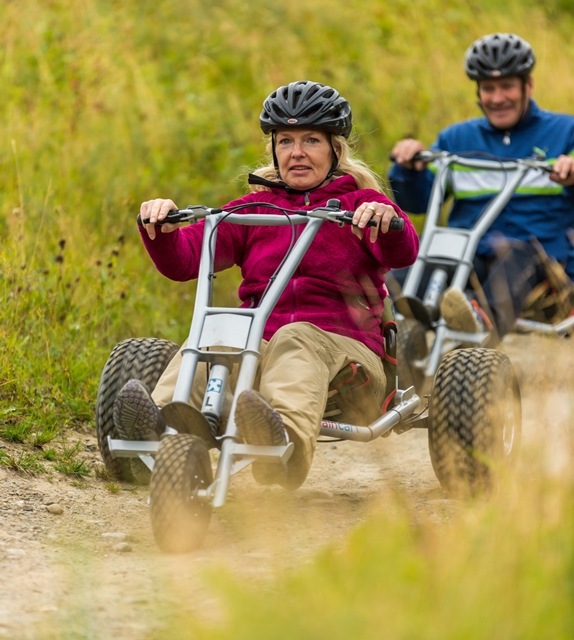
(304,157)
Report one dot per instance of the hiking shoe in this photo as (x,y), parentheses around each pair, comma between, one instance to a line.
(460,313)
(136,416)
(257,421)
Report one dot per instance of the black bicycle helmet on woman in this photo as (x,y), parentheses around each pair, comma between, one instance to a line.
(307,104)
(499,55)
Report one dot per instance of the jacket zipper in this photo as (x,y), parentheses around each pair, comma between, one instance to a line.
(308,203)
(294,299)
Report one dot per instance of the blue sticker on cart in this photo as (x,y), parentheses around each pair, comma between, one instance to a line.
(215,385)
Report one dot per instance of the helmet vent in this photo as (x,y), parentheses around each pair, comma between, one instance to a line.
(499,55)
(309,104)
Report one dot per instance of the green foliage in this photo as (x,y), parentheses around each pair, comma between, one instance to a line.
(23,461)
(106,104)
(102,109)
(14,432)
(49,454)
(70,464)
(557,8)
(43,436)
(101,472)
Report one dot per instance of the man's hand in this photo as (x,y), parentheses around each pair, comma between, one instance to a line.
(563,171)
(157,210)
(404,151)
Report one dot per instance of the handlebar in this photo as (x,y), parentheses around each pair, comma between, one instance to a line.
(330,212)
(193,213)
(491,163)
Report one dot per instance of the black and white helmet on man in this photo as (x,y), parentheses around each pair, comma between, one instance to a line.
(499,55)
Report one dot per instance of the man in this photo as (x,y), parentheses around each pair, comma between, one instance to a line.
(513,126)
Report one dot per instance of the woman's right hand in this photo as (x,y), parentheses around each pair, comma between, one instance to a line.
(157,210)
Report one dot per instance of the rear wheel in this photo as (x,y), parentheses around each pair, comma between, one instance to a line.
(143,359)
(475,419)
(179,519)
(411,346)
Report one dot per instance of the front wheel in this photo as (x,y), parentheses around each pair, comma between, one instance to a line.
(143,359)
(179,519)
(475,419)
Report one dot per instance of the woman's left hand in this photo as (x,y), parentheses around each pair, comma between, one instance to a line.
(381,213)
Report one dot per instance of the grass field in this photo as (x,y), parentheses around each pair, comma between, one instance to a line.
(102,109)
(107,103)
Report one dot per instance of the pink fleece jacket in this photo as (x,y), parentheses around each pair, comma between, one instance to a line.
(339,285)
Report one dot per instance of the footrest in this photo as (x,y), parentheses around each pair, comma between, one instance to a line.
(132,448)
(264,454)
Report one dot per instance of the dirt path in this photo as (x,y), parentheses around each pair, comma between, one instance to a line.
(68,571)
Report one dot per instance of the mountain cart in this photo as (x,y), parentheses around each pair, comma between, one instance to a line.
(184,489)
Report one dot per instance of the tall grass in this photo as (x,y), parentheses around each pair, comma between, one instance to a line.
(102,108)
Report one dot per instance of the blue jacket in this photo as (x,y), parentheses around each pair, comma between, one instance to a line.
(540,207)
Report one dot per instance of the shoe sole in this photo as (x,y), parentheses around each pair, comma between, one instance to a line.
(458,313)
(135,415)
(257,422)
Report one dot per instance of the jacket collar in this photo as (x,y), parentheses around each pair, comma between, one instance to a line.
(339,186)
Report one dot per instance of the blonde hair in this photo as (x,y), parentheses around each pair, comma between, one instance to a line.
(348,165)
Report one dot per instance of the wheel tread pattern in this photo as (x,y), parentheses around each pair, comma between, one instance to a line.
(465,423)
(179,520)
(144,359)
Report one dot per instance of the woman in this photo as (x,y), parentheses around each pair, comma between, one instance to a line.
(328,316)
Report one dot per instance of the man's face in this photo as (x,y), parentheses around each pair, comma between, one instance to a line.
(504,100)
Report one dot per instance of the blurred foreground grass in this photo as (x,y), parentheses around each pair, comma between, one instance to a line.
(502,570)
(498,569)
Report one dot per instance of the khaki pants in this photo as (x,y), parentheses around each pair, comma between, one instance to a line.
(296,367)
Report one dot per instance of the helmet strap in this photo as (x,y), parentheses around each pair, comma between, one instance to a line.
(275,161)
(335,163)
(525,101)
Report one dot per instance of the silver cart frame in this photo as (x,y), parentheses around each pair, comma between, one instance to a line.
(225,336)
(443,248)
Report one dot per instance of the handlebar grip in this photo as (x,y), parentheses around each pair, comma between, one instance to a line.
(418,156)
(397,224)
(166,220)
